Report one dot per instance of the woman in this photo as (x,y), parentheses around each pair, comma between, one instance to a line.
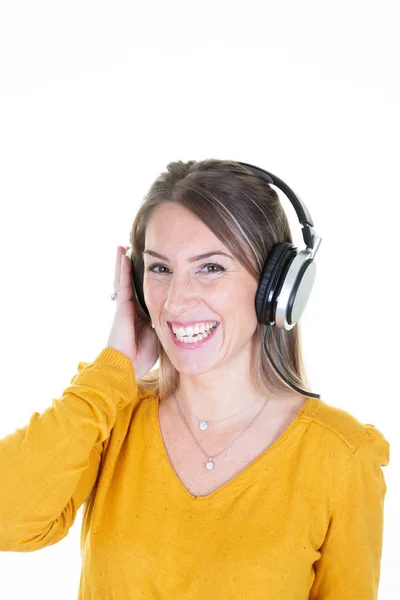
(209,477)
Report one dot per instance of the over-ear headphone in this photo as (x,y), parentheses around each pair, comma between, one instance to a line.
(287,277)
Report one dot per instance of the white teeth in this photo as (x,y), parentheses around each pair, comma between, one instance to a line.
(193,339)
(190,334)
(193,329)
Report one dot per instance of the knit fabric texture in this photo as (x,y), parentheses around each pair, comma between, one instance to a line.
(304,520)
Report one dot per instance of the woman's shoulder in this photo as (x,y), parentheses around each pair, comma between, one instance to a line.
(336,427)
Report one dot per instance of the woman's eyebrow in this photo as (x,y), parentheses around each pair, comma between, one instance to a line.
(193,258)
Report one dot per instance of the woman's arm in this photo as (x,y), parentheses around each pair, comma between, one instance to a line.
(349,566)
(49,467)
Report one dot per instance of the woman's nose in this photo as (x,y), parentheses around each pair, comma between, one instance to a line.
(179,293)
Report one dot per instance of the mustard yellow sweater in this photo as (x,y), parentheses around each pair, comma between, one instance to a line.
(303,521)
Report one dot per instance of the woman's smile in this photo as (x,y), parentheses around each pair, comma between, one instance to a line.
(193,344)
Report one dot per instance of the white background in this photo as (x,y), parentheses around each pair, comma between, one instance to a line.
(97,97)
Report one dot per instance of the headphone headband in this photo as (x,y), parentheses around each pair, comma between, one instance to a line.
(303,214)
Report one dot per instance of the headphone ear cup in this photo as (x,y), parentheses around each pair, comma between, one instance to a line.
(137,285)
(272,277)
(296,290)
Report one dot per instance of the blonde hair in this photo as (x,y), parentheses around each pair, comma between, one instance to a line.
(245,214)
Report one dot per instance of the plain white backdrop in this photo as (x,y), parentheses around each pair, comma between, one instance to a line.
(97,97)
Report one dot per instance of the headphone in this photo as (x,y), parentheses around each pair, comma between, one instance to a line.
(286,280)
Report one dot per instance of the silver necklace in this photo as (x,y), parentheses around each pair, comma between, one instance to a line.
(210,462)
(204,424)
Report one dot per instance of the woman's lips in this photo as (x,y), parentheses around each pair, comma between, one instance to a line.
(193,344)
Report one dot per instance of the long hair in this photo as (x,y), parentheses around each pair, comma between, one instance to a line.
(245,214)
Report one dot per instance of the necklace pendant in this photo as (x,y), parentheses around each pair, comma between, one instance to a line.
(210,464)
(203,425)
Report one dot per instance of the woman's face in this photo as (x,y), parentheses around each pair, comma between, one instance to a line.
(178,289)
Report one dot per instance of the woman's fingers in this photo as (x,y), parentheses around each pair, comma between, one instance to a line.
(122,280)
(117,272)
(125,284)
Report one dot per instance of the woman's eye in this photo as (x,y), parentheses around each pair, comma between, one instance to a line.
(152,267)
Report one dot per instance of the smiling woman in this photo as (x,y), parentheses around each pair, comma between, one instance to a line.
(207,208)
(209,476)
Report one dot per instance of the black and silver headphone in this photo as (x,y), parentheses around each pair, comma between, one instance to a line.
(287,277)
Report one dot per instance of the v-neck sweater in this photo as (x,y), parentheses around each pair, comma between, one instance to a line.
(304,520)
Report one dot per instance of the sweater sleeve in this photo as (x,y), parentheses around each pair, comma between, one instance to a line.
(349,566)
(49,467)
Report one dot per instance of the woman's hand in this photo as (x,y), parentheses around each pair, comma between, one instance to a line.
(129,333)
